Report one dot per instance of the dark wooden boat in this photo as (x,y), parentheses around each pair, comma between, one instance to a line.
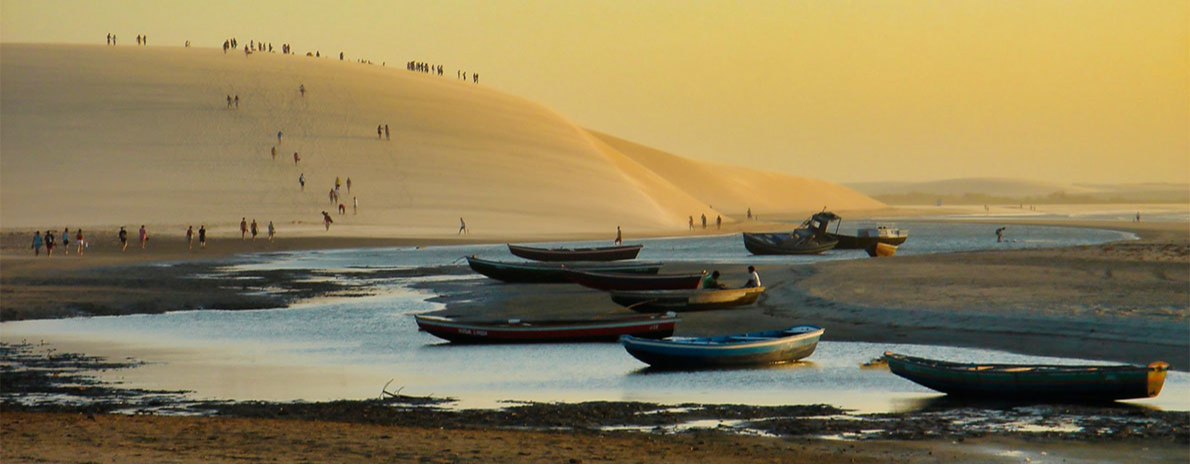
(589,254)
(633,281)
(686,300)
(526,331)
(809,239)
(757,348)
(551,272)
(1030,382)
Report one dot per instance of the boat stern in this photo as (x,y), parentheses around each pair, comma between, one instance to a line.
(1157,372)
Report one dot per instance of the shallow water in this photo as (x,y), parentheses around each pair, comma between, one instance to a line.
(350,347)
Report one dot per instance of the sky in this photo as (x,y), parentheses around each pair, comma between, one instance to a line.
(847,91)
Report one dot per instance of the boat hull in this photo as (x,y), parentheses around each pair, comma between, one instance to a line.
(686,300)
(854,242)
(506,332)
(633,281)
(772,244)
(591,254)
(726,351)
(1032,382)
(881,249)
(550,272)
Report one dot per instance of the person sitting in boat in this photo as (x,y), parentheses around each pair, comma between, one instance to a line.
(712,281)
(753,277)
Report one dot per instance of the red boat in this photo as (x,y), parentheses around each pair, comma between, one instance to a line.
(634,281)
(520,331)
(590,254)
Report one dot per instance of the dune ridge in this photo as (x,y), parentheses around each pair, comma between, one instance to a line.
(96,136)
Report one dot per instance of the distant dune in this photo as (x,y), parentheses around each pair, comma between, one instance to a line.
(106,136)
(985,190)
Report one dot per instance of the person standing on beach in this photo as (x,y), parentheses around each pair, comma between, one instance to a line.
(718,221)
(691,222)
(144,236)
(386,137)
(379,131)
(619,237)
(123,235)
(272,230)
(109,38)
(704,221)
(202,236)
(253,229)
(749,212)
(237,102)
(326,220)
(229,101)
(302,89)
(302,180)
(78,239)
(49,244)
(274,153)
(753,277)
(190,238)
(354,206)
(37,242)
(66,240)
(462,227)
(243,228)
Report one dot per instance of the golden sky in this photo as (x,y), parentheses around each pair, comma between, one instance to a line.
(1066,91)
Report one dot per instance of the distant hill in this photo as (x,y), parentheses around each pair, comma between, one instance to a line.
(995,190)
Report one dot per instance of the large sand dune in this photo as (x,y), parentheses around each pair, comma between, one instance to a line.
(96,136)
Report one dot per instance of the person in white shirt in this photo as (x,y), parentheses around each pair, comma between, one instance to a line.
(753,277)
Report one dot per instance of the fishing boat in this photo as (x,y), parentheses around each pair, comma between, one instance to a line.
(757,348)
(868,237)
(527,331)
(686,300)
(589,254)
(551,272)
(634,281)
(1028,382)
(809,239)
(880,249)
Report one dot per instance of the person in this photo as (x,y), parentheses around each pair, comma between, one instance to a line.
(349,184)
(342,209)
(37,242)
(202,236)
(619,236)
(691,222)
(462,227)
(272,231)
(296,158)
(274,153)
(338,182)
(379,131)
(753,277)
(354,206)
(237,101)
(243,227)
(711,281)
(326,220)
(302,181)
(123,235)
(718,221)
(78,239)
(302,89)
(386,135)
(279,134)
(109,38)
(331,195)
(1138,217)
(66,240)
(49,244)
(253,229)
(229,101)
(190,238)
(1000,234)
(144,236)
(749,212)
(704,221)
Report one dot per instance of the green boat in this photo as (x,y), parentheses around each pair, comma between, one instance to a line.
(1085,383)
(552,272)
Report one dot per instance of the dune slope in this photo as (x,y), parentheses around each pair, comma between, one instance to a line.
(98,136)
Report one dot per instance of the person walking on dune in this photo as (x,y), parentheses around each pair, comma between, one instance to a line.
(254,229)
(144,236)
(229,101)
(37,242)
(243,228)
(386,137)
(202,236)
(338,182)
(619,237)
(237,102)
(78,239)
(463,227)
(349,184)
(190,238)
(123,235)
(379,131)
(279,134)
(274,153)
(302,89)
(302,181)
(296,158)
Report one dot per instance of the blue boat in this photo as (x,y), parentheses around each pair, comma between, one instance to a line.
(758,348)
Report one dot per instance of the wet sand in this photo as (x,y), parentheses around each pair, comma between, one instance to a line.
(1123,301)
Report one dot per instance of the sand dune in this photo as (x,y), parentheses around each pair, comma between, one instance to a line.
(99,136)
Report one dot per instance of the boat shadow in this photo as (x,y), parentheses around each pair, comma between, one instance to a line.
(649,370)
(944,402)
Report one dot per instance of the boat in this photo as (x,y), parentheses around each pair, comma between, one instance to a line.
(809,239)
(589,254)
(686,300)
(634,281)
(528,331)
(528,272)
(757,348)
(1029,382)
(880,249)
(867,237)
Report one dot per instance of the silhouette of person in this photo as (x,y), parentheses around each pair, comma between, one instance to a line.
(619,236)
